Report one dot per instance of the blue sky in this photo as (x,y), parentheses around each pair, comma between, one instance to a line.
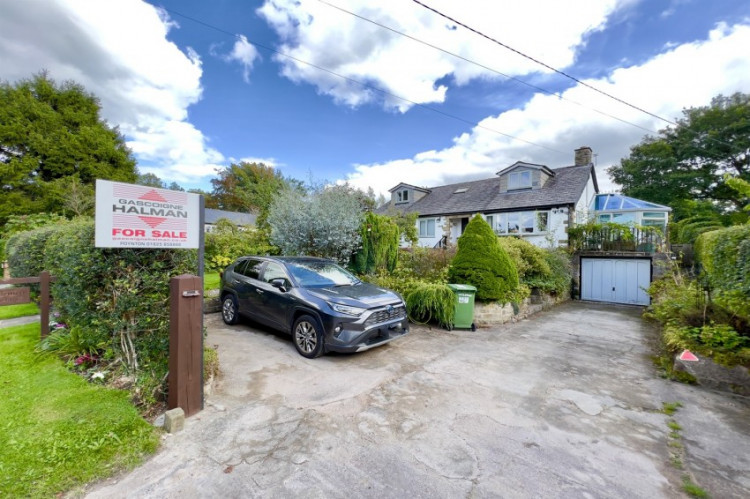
(191,96)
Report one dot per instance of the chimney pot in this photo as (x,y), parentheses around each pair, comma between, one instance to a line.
(583,156)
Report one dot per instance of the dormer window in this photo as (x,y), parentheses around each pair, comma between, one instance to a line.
(519,180)
(402,196)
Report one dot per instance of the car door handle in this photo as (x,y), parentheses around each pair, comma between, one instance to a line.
(235,281)
(259,291)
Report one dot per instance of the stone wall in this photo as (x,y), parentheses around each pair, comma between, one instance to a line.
(490,314)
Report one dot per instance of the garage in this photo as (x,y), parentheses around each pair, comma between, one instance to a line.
(616,280)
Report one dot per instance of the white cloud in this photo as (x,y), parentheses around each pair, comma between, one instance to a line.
(272,162)
(686,76)
(117,50)
(314,32)
(245,53)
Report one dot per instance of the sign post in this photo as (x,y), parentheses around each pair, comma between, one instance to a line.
(137,216)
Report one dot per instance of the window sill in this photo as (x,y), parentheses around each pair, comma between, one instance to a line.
(521,234)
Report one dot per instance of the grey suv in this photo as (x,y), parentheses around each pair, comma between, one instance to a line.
(324,307)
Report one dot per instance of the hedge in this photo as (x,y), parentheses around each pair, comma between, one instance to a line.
(227,242)
(724,256)
(25,251)
(115,297)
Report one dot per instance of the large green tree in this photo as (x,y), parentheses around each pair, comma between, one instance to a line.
(249,187)
(50,131)
(689,161)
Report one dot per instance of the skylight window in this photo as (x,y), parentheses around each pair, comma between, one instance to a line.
(461,190)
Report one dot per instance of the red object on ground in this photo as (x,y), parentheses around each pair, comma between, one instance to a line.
(688,356)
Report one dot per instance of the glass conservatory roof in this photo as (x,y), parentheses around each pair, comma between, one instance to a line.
(613,202)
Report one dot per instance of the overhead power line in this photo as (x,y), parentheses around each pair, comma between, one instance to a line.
(493,70)
(361,83)
(583,83)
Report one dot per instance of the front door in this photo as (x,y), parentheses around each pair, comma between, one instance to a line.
(464,223)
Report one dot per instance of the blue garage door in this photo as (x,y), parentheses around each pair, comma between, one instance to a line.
(616,280)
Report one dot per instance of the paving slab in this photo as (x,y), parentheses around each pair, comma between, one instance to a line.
(19,321)
(565,404)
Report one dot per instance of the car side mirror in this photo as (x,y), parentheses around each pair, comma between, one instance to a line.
(279,283)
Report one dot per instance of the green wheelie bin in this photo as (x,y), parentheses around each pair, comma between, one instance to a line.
(464,317)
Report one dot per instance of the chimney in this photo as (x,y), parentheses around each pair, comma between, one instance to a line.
(583,156)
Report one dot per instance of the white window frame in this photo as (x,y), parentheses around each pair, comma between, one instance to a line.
(424,227)
(520,180)
(402,196)
(524,220)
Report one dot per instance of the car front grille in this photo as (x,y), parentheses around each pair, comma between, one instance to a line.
(387,314)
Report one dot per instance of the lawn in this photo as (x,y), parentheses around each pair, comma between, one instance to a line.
(211,280)
(58,431)
(13,311)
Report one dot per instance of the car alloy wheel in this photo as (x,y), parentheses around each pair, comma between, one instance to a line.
(229,310)
(307,337)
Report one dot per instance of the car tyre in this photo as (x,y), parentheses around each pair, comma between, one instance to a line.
(307,336)
(229,310)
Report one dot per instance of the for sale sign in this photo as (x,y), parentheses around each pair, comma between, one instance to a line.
(137,216)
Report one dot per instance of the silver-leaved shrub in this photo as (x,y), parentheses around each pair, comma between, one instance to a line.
(323,222)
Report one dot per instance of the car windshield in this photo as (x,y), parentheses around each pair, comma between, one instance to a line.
(320,274)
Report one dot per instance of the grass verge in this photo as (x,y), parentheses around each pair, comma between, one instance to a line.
(57,431)
(211,280)
(13,311)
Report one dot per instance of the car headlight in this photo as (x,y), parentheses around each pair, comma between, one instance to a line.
(346,309)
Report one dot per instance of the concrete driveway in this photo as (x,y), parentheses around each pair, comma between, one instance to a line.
(565,404)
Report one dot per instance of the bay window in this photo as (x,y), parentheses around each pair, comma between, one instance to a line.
(519,222)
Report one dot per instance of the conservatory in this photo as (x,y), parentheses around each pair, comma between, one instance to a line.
(630,211)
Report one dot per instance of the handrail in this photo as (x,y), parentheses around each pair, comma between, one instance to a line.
(442,243)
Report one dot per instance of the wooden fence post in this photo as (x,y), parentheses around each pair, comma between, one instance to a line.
(44,301)
(185,380)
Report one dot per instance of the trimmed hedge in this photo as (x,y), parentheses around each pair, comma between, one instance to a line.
(482,262)
(25,251)
(724,256)
(115,297)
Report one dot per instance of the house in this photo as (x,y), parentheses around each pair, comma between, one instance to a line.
(528,200)
(538,204)
(211,216)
